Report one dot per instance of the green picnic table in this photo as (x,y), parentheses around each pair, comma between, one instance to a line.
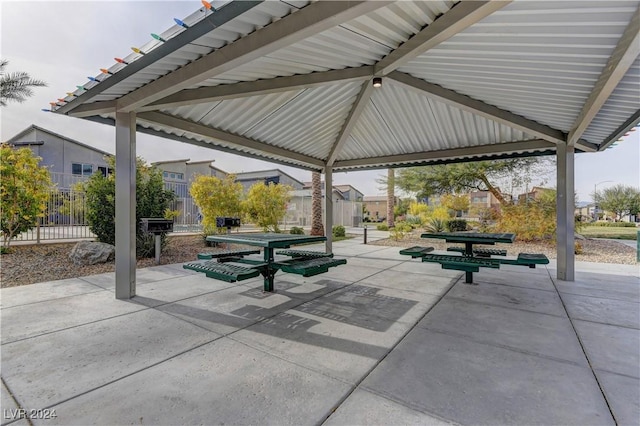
(306,265)
(469,264)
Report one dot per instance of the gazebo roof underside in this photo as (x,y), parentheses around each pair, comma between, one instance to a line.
(291,82)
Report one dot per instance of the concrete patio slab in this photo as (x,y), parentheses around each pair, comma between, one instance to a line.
(480,384)
(365,408)
(386,253)
(379,263)
(525,331)
(411,282)
(179,288)
(541,301)
(426,268)
(518,278)
(611,348)
(223,382)
(352,273)
(351,250)
(623,395)
(603,285)
(602,310)
(231,309)
(94,355)
(105,280)
(23,295)
(21,322)
(500,352)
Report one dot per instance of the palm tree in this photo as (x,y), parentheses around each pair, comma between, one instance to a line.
(317,228)
(390,197)
(16,86)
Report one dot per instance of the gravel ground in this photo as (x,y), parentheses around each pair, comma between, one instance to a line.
(49,262)
(593,250)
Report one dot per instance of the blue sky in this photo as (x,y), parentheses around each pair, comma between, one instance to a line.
(64,42)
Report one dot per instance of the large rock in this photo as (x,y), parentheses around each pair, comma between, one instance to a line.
(90,253)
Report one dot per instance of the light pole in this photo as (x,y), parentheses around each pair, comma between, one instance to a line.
(595,196)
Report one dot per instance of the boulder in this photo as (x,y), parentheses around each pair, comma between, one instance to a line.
(91,252)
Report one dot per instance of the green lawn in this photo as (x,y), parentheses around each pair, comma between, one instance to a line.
(609,232)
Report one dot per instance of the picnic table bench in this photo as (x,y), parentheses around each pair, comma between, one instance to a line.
(472,259)
(303,262)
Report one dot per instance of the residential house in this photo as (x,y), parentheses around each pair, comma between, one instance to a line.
(178,174)
(535,194)
(349,193)
(276,176)
(68,160)
(376,207)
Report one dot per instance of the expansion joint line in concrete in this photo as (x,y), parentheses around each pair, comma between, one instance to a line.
(368,373)
(13,397)
(584,351)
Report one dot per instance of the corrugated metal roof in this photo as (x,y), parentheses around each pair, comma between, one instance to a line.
(538,60)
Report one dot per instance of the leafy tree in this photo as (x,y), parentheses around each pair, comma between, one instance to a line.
(457,203)
(24,191)
(533,220)
(152,200)
(476,176)
(621,200)
(267,204)
(16,86)
(317,227)
(217,197)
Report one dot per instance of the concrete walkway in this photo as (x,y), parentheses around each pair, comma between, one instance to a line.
(383,340)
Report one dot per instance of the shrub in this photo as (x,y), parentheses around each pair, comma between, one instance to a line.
(216,197)
(577,247)
(266,204)
(382,227)
(532,221)
(24,190)
(399,231)
(152,200)
(296,230)
(339,231)
(435,225)
(455,225)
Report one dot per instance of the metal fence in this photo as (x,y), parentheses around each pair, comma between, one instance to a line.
(65,219)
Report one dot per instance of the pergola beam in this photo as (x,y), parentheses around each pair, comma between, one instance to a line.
(623,56)
(260,87)
(307,22)
(457,19)
(477,107)
(203,27)
(447,154)
(620,131)
(94,108)
(239,142)
(356,110)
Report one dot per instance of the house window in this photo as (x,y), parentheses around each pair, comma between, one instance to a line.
(82,169)
(104,171)
(173,175)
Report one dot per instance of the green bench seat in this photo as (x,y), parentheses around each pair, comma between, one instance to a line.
(461,263)
(480,252)
(221,254)
(223,271)
(304,253)
(308,267)
(416,251)
(527,259)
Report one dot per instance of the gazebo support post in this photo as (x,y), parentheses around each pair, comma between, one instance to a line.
(565,209)
(125,205)
(328,208)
